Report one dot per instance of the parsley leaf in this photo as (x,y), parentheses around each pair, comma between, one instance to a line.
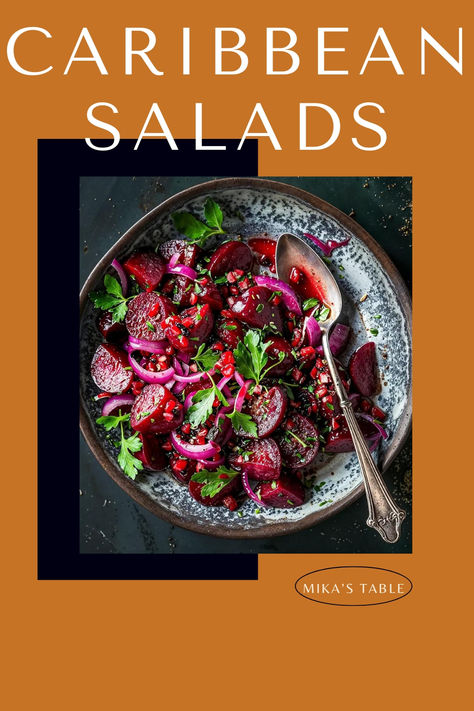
(241,421)
(251,358)
(128,463)
(213,214)
(203,402)
(196,231)
(206,358)
(113,300)
(112,286)
(188,225)
(111,421)
(213,484)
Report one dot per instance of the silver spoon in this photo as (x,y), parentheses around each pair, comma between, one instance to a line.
(384,515)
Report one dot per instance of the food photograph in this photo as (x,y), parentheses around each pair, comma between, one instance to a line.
(245,365)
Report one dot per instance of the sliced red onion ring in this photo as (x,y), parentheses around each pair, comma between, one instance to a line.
(240,399)
(212,464)
(117,401)
(312,329)
(182,270)
(122,276)
(288,296)
(170,384)
(139,344)
(179,387)
(337,340)
(174,260)
(326,247)
(194,378)
(184,357)
(239,379)
(161,376)
(249,491)
(193,451)
(177,366)
(369,418)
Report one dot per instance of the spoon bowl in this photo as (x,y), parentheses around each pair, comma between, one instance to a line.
(291,251)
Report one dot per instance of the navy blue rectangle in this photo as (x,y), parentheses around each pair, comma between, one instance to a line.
(60,165)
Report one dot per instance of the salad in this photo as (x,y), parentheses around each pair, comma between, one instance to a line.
(212,368)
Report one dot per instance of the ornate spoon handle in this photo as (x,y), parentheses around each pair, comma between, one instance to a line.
(384,515)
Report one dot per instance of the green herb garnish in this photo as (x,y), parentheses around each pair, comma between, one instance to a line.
(213,484)
(128,445)
(206,358)
(203,402)
(113,300)
(310,303)
(251,358)
(196,231)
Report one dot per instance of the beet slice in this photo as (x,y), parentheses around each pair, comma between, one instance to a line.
(254,308)
(190,329)
(140,323)
(340,440)
(188,253)
(210,294)
(110,369)
(363,370)
(287,492)
(261,459)
(230,256)
(300,448)
(230,332)
(112,332)
(195,491)
(279,345)
(148,269)
(151,453)
(150,408)
(268,410)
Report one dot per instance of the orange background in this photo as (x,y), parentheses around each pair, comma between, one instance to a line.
(252,644)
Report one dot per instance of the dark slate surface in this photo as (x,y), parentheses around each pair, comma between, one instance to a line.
(110,521)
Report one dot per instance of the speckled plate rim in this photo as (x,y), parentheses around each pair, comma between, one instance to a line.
(174,203)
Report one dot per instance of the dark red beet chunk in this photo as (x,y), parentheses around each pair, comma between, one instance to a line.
(182,290)
(108,369)
(253,307)
(298,450)
(190,329)
(262,459)
(151,453)
(230,256)
(279,345)
(195,491)
(209,294)
(182,469)
(230,332)
(268,410)
(287,492)
(148,269)
(152,413)
(188,253)
(340,440)
(112,332)
(363,370)
(140,323)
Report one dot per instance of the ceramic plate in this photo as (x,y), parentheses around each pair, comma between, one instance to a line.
(252,206)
